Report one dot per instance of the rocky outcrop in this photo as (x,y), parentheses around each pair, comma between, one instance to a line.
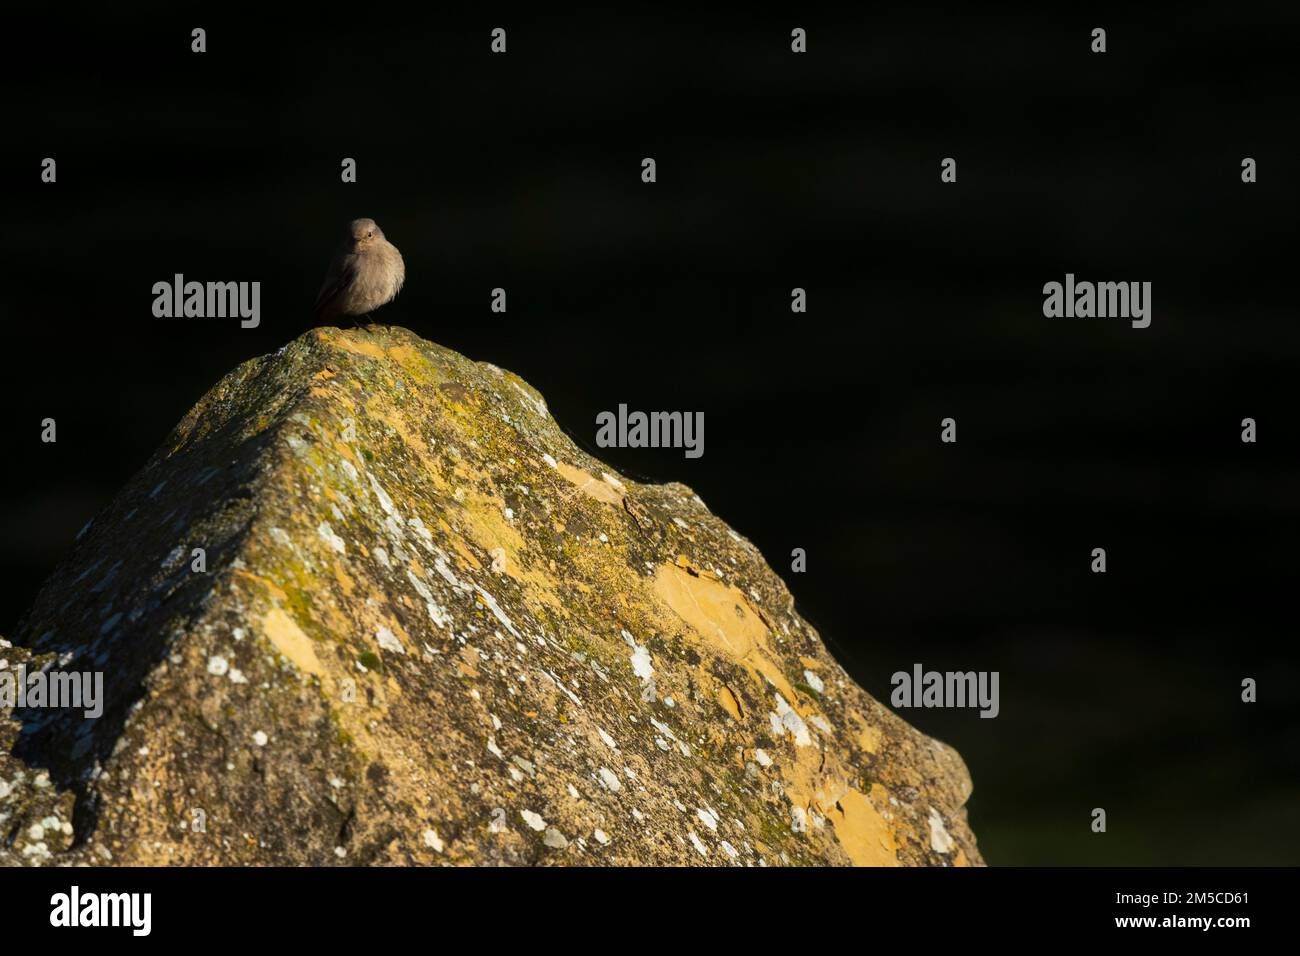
(369,605)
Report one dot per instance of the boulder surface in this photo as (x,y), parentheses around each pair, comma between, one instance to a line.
(369,604)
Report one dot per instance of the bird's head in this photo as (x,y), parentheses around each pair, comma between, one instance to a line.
(364,231)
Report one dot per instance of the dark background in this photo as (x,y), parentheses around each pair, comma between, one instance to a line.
(822,431)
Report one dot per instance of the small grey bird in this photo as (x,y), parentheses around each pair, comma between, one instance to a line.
(367,272)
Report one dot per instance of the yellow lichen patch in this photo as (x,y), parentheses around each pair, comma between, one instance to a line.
(469,657)
(482,519)
(727,701)
(377,407)
(345,581)
(271,587)
(863,833)
(593,487)
(290,641)
(350,342)
(723,618)
(465,553)
(414,362)
(868,736)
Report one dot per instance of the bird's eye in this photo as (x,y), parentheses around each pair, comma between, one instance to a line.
(370,235)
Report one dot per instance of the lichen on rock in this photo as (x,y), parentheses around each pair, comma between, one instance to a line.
(433,630)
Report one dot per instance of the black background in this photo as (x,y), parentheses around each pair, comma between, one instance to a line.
(775,170)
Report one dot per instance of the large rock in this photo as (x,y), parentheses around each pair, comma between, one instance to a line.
(431,629)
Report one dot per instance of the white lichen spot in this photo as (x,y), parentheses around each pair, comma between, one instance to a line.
(237,676)
(492,606)
(609,741)
(218,666)
(432,840)
(610,779)
(813,681)
(763,759)
(798,820)
(642,666)
(332,539)
(436,614)
(388,641)
(700,848)
(708,818)
(440,565)
(416,525)
(533,820)
(385,502)
(260,738)
(940,840)
(791,721)
(555,839)
(601,837)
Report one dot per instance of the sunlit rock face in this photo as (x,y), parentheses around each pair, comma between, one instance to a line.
(368,604)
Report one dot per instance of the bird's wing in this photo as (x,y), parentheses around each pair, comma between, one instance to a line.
(340,275)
